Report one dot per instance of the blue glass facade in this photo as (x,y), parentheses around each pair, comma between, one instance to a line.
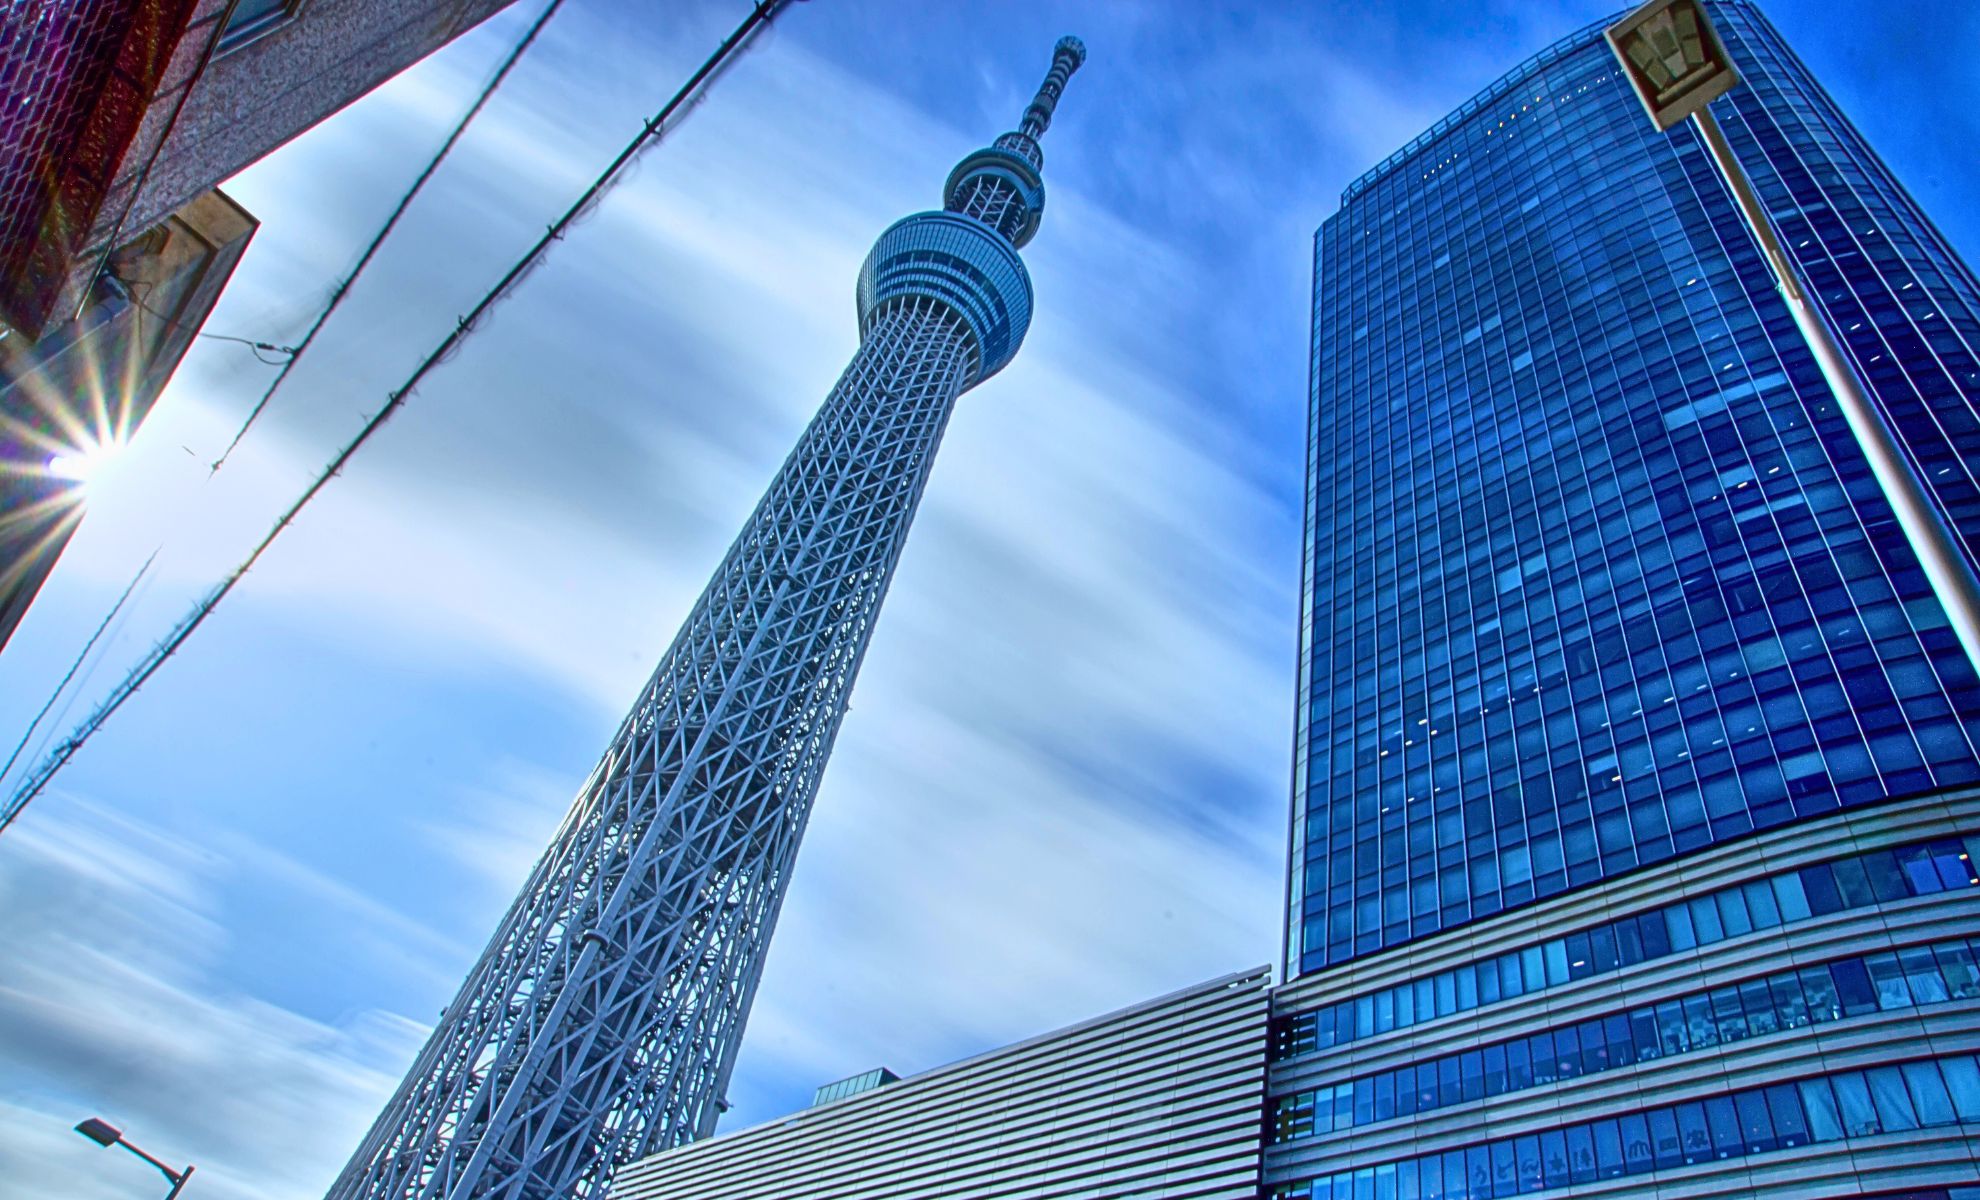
(1595,572)
(1693,1022)
(1931,1093)
(1707,917)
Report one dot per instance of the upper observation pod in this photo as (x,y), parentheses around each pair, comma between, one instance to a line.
(966,256)
(1000,184)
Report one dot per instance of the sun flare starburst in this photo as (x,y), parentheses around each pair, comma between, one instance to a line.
(83,464)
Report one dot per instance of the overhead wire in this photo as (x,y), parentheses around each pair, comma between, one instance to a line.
(650,132)
(74,667)
(391,222)
(256,347)
(289,355)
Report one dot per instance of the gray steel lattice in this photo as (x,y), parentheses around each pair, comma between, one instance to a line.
(603,1019)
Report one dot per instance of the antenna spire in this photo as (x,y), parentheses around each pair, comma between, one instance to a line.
(1066,58)
(1002,185)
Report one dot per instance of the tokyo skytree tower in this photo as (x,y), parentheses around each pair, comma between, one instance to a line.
(602,1021)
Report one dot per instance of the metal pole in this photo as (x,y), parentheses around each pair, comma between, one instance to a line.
(178,1178)
(1939,551)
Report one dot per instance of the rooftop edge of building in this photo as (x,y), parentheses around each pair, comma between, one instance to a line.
(1490,93)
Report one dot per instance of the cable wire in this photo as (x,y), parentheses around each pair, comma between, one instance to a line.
(73,668)
(343,288)
(138,301)
(290,354)
(650,132)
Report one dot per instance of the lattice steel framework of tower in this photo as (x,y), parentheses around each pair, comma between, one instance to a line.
(603,1019)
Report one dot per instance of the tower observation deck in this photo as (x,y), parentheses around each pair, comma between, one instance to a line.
(602,1021)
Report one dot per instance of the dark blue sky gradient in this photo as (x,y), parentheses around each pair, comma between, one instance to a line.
(1237,126)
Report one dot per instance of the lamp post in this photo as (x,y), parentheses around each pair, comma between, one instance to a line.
(1673,58)
(103,1133)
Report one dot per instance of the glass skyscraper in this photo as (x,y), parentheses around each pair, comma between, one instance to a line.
(1635,804)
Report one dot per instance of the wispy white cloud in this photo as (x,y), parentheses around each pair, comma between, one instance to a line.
(968,894)
(498,827)
(112,1004)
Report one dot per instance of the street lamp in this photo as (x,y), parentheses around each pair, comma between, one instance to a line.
(1673,58)
(103,1133)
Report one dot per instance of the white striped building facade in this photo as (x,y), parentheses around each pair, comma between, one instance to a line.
(1160,1101)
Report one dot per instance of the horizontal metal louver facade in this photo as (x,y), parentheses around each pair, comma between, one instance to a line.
(1156,1102)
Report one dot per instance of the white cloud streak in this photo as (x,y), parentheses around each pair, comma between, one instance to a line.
(112,1005)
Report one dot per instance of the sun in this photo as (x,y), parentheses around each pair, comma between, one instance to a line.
(84,463)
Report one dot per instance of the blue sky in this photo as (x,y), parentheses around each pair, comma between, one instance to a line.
(1061,788)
